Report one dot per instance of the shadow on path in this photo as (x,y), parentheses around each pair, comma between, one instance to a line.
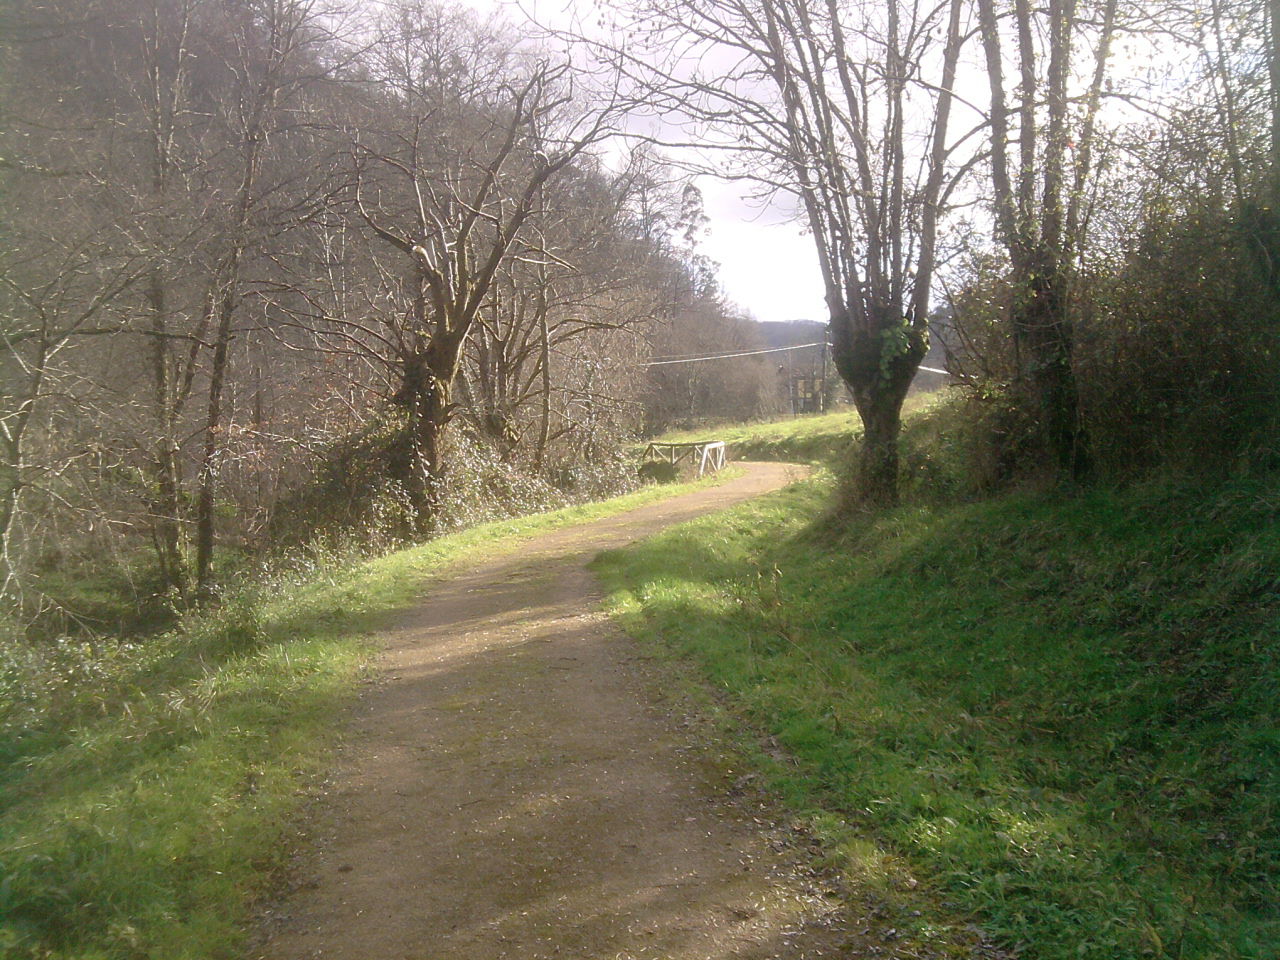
(507,792)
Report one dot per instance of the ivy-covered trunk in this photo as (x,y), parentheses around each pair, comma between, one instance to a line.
(878,360)
(418,460)
(1044,336)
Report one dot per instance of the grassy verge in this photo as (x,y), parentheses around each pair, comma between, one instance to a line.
(148,792)
(821,438)
(1058,716)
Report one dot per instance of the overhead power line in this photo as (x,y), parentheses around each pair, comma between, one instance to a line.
(756,353)
(730,356)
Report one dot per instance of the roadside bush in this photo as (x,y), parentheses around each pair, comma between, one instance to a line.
(1177,352)
(599,477)
(347,493)
(995,430)
(350,507)
(1175,358)
(480,486)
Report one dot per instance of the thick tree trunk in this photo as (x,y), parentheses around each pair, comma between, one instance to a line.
(879,374)
(418,461)
(876,482)
(1045,340)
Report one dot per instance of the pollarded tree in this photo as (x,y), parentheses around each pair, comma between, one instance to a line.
(1039,195)
(847,107)
(460,144)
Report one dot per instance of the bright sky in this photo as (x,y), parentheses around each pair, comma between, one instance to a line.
(767,265)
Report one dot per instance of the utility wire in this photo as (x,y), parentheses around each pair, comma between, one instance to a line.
(756,353)
(698,356)
(730,356)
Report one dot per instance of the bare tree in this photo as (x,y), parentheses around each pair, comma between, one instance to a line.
(72,253)
(447,191)
(277,50)
(68,296)
(586,273)
(166,55)
(847,107)
(1039,197)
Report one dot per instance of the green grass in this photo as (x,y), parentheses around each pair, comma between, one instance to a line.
(1059,715)
(150,792)
(822,438)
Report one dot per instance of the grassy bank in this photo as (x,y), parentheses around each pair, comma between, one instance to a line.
(149,792)
(1058,716)
(821,438)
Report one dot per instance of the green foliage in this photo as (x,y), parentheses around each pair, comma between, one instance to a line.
(1174,354)
(895,341)
(1060,713)
(1178,349)
(348,490)
(349,500)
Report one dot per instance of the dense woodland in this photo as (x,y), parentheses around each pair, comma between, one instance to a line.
(281,264)
(276,271)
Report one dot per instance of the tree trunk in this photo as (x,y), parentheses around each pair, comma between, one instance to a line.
(228,301)
(544,362)
(213,425)
(164,507)
(876,481)
(1044,336)
(879,374)
(10,492)
(417,462)
(13,465)
(1266,228)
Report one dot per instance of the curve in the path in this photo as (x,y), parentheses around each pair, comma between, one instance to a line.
(508,792)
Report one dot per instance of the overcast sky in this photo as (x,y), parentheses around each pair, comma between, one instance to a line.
(767,265)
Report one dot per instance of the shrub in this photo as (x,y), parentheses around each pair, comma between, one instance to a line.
(1175,357)
(658,471)
(350,506)
(1177,351)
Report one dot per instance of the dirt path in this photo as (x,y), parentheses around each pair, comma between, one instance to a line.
(508,792)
